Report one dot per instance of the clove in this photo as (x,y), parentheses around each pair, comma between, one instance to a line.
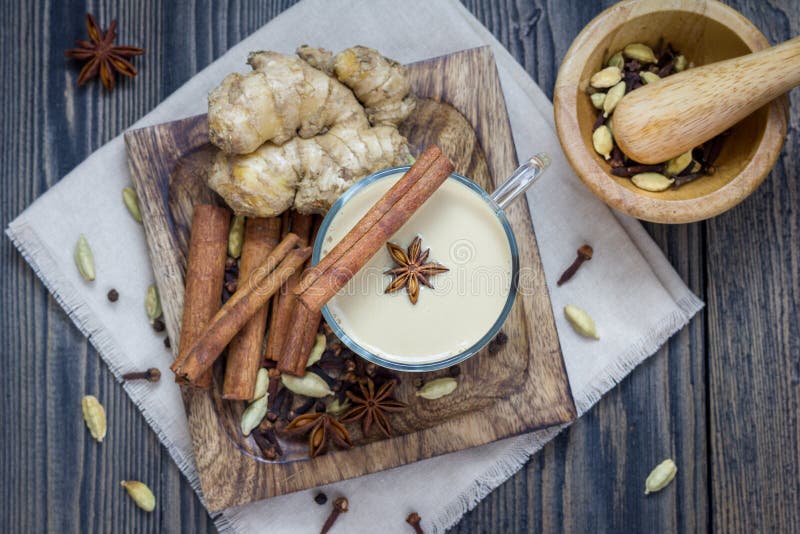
(339,506)
(584,254)
(601,120)
(151,375)
(414,519)
(686,178)
(627,172)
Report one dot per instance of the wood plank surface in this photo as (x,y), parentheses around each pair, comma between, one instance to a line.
(722,397)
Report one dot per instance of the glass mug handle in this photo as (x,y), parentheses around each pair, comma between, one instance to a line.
(522,178)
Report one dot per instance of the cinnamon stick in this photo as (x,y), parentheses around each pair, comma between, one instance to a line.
(251,295)
(285,301)
(322,282)
(244,353)
(300,340)
(205,274)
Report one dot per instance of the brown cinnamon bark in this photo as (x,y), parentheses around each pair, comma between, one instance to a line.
(244,353)
(205,274)
(299,341)
(370,234)
(248,299)
(286,299)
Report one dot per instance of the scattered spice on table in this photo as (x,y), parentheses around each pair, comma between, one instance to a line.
(340,506)
(102,56)
(414,520)
(151,375)
(584,254)
(113,295)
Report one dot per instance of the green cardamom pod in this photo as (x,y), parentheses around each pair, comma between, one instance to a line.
(236,237)
(132,203)
(676,165)
(336,407)
(660,477)
(652,181)
(616,60)
(140,493)
(317,350)
(84,258)
(262,384)
(598,99)
(581,321)
(603,142)
(310,385)
(253,415)
(681,63)
(152,304)
(649,77)
(613,97)
(640,52)
(608,77)
(95,416)
(437,388)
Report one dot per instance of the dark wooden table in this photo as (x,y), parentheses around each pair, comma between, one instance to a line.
(722,399)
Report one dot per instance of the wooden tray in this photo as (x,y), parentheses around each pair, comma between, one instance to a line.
(521,388)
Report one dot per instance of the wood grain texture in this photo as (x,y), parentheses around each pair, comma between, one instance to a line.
(521,388)
(729,407)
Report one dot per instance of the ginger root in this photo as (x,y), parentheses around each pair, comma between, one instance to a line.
(379,83)
(307,174)
(292,135)
(282,97)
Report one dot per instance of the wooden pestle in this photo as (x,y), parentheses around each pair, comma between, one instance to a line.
(664,119)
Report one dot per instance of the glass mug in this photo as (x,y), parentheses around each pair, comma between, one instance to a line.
(507,192)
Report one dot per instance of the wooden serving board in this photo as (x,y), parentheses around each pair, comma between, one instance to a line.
(522,387)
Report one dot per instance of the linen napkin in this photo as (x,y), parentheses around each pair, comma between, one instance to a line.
(630,289)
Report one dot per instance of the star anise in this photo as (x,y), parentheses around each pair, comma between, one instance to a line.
(322,428)
(413,269)
(373,406)
(102,56)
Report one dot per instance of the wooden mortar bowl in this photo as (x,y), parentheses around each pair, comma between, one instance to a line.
(705,31)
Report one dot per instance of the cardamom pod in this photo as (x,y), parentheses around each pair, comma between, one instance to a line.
(660,477)
(608,77)
(438,388)
(152,304)
(131,201)
(581,322)
(613,97)
(598,99)
(336,407)
(310,385)
(616,60)
(262,384)
(640,52)
(95,416)
(652,181)
(254,414)
(649,77)
(676,165)
(236,237)
(140,493)
(610,124)
(317,350)
(84,258)
(602,141)
(681,63)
